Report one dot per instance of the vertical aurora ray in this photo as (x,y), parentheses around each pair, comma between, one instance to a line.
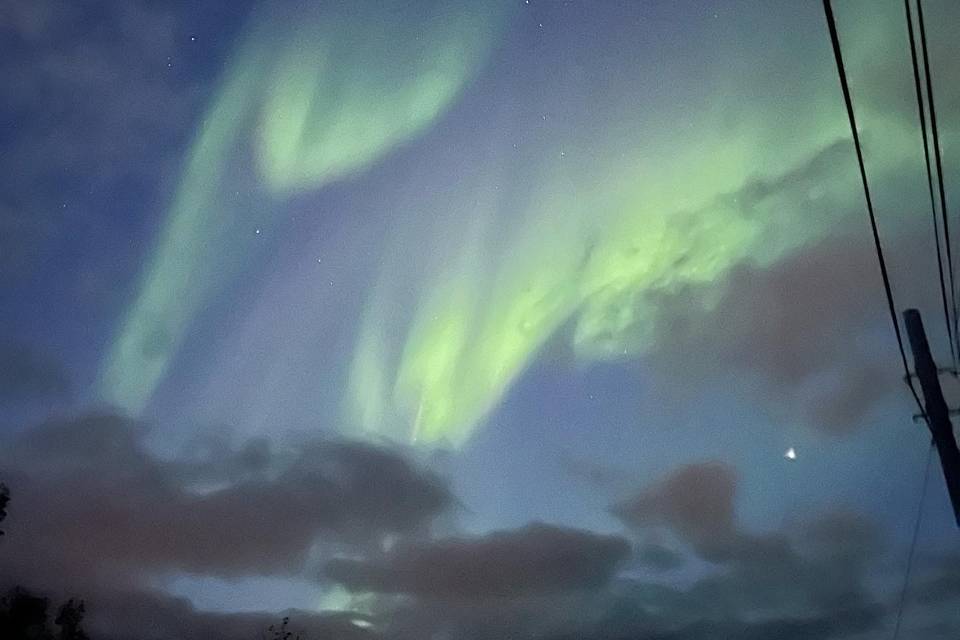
(352,85)
(179,275)
(318,94)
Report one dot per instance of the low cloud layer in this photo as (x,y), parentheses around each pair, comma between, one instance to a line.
(103,515)
(697,502)
(152,615)
(817,568)
(535,559)
(806,581)
(92,505)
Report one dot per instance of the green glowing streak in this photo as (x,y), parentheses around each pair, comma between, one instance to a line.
(345,93)
(473,332)
(649,252)
(327,93)
(179,275)
(477,328)
(367,383)
(594,253)
(427,381)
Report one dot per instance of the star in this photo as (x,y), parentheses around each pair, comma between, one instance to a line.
(790,454)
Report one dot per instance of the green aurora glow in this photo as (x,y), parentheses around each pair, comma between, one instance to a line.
(590,252)
(595,254)
(325,95)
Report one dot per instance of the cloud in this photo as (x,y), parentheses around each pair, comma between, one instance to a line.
(817,566)
(838,624)
(97,515)
(538,558)
(658,557)
(695,501)
(940,586)
(804,329)
(93,506)
(794,184)
(626,609)
(808,580)
(151,615)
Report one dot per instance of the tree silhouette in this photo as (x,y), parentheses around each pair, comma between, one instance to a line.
(4,501)
(23,615)
(282,632)
(69,619)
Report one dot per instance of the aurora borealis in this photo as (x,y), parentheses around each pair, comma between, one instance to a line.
(346,86)
(594,250)
(477,327)
(469,320)
(304,104)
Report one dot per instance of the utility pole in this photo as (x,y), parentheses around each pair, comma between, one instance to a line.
(936,412)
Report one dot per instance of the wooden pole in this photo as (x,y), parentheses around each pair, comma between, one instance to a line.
(935,407)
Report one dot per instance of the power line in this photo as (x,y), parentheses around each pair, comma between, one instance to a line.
(841,71)
(951,330)
(937,155)
(913,543)
(933,206)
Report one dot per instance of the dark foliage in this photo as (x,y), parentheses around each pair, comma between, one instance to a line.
(4,501)
(283,632)
(23,616)
(69,619)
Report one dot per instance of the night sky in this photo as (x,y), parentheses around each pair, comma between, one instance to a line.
(449,319)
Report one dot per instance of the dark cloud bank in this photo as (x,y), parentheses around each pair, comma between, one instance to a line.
(811,329)
(95,514)
(536,559)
